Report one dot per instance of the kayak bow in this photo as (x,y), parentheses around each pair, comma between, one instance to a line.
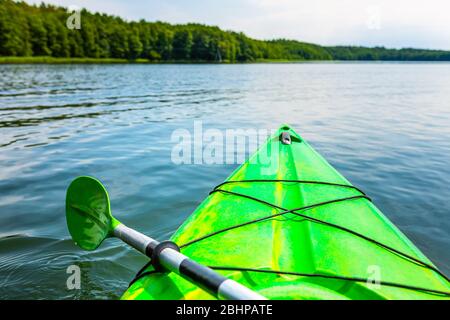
(294,228)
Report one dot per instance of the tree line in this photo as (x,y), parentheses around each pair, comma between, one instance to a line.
(40,30)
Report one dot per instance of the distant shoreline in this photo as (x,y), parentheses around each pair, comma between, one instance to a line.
(43,34)
(68,61)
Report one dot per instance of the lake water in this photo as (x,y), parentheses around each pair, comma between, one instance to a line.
(385,126)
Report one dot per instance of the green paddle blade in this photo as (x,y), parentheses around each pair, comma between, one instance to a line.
(88,212)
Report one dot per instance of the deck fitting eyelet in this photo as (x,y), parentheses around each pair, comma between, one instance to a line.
(285,138)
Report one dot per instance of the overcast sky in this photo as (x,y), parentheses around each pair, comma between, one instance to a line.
(390,23)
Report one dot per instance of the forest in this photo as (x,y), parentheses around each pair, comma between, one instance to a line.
(41,31)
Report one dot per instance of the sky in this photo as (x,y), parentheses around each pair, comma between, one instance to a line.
(389,23)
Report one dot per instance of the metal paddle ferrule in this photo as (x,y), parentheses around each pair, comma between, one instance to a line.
(90,221)
(172,260)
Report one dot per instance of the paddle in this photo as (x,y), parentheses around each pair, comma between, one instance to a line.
(89,220)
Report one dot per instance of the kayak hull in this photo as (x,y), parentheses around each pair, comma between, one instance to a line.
(335,245)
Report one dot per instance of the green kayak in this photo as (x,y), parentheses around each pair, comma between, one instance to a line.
(287,225)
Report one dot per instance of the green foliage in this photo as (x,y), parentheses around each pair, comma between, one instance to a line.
(14,30)
(56,60)
(182,44)
(381,53)
(36,31)
(135,46)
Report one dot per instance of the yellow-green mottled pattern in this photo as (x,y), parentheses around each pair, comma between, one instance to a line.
(292,243)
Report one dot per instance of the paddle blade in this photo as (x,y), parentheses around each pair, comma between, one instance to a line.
(88,212)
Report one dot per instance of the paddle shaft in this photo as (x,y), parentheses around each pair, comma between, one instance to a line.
(172,260)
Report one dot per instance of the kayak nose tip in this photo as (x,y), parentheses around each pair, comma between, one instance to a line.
(285,138)
(286,135)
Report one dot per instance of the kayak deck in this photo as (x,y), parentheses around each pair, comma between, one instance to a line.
(335,245)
